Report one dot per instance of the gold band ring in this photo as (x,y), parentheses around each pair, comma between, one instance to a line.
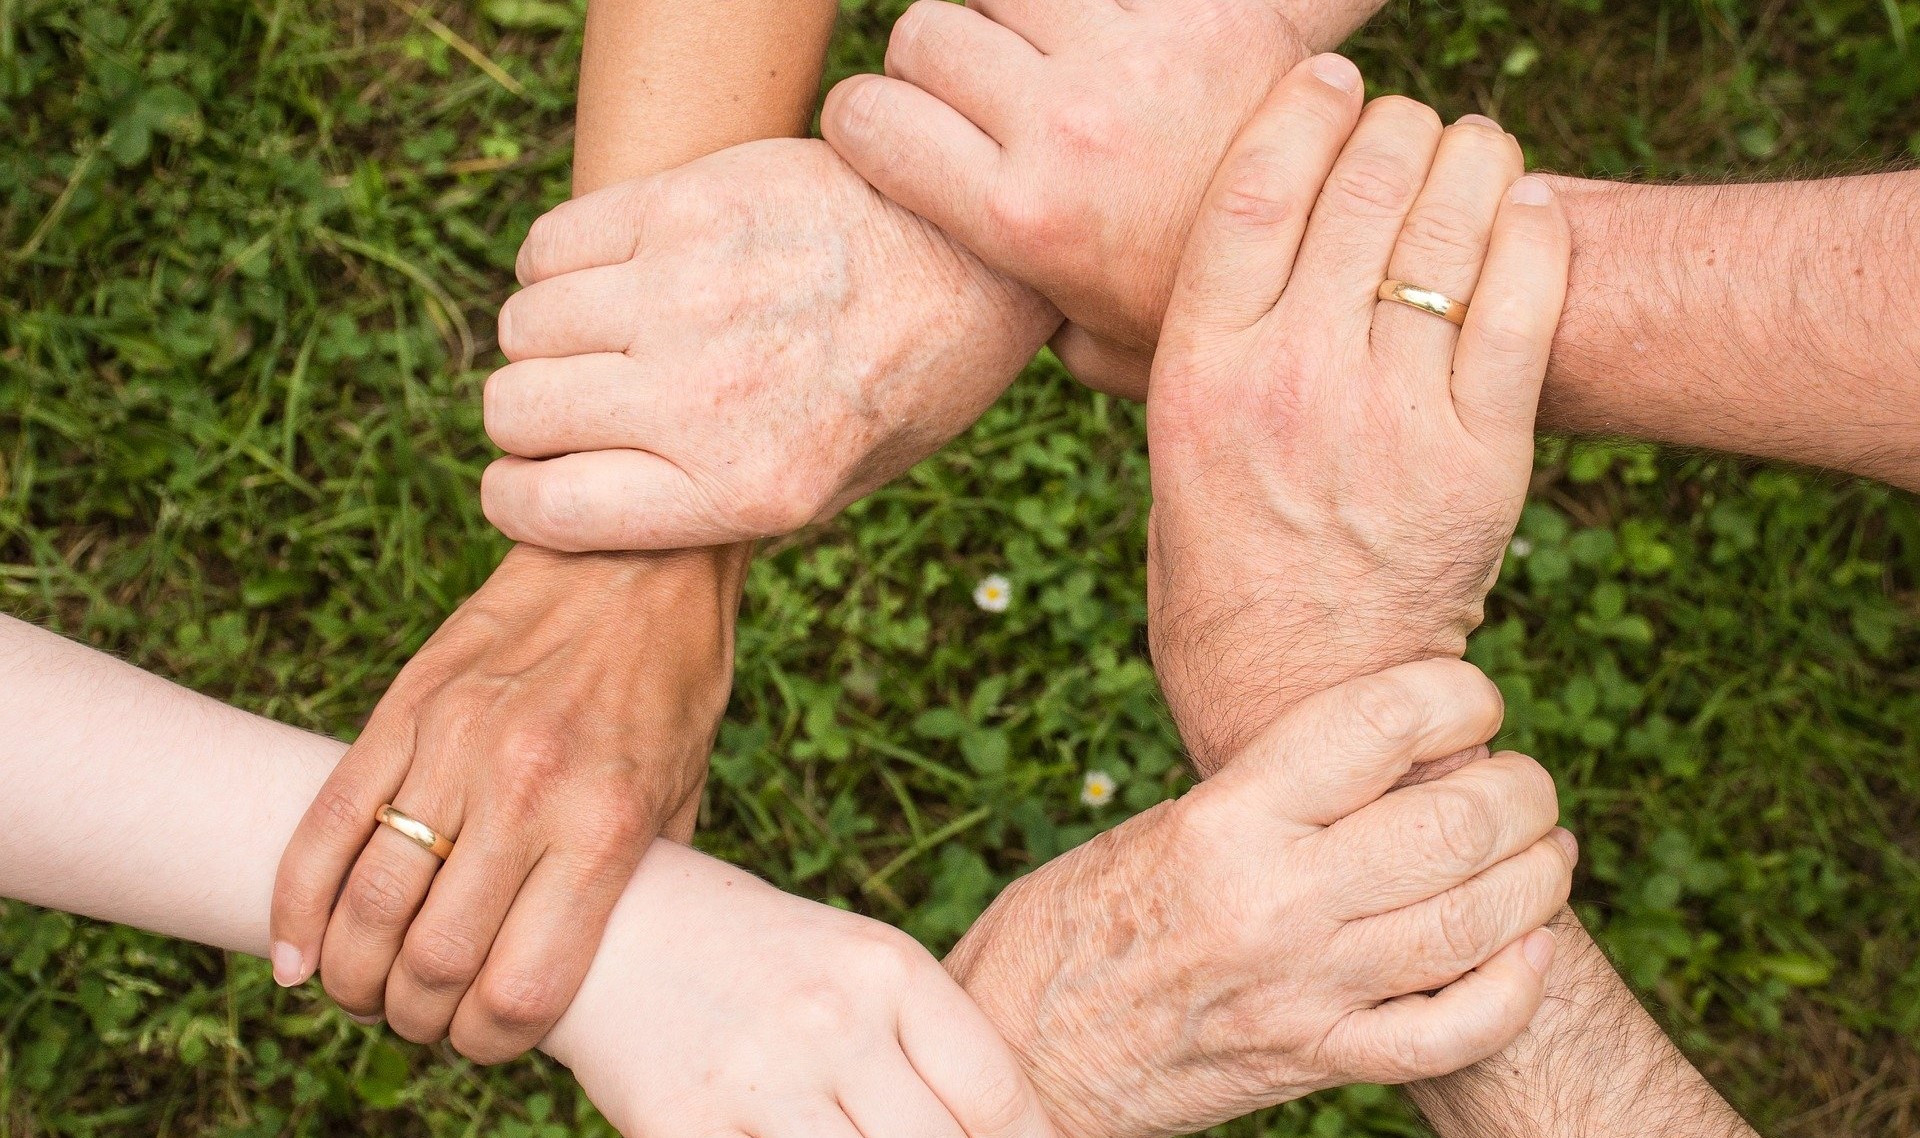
(1426,300)
(414,830)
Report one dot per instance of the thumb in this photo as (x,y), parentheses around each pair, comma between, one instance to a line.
(1342,748)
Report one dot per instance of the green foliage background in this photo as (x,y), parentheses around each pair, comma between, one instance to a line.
(248,255)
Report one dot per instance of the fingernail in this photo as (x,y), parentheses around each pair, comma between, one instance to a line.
(1530,191)
(1337,71)
(1478,120)
(1568,844)
(364,1021)
(1538,949)
(289,966)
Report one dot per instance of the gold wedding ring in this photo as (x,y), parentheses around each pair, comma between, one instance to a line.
(414,830)
(1426,300)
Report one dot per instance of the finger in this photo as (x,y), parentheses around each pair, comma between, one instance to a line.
(1340,749)
(828,1121)
(1421,841)
(605,227)
(928,158)
(1049,24)
(960,57)
(538,408)
(959,1054)
(1444,241)
(1438,940)
(325,844)
(1101,364)
(1440,768)
(543,949)
(1241,248)
(1358,217)
(447,943)
(1502,356)
(618,499)
(382,894)
(1420,1036)
(888,1099)
(572,314)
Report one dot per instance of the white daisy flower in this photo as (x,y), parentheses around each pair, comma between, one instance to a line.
(1097,788)
(993,594)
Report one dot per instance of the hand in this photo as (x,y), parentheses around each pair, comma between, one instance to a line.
(721,1006)
(556,723)
(1079,170)
(1336,477)
(1272,932)
(735,349)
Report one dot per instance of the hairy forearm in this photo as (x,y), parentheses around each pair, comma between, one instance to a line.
(663,82)
(1592,1063)
(1770,320)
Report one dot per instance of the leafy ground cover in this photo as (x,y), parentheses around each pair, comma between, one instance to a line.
(249,250)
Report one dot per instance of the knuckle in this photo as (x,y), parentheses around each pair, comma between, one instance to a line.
(1459,825)
(1534,786)
(1374,184)
(1408,114)
(1025,215)
(1254,190)
(782,508)
(443,960)
(1443,234)
(521,1001)
(557,507)
(1387,708)
(1407,1057)
(891,957)
(1462,931)
(853,108)
(824,1010)
(910,31)
(339,812)
(1507,332)
(378,897)
(1196,820)
(532,759)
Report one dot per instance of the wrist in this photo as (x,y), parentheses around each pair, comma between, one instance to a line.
(1591,1062)
(1228,671)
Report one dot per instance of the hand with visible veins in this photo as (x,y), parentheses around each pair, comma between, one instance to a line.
(1278,930)
(1069,145)
(1336,476)
(1334,480)
(556,723)
(735,349)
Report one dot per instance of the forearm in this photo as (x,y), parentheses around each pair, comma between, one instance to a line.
(663,82)
(132,800)
(1770,320)
(1592,1063)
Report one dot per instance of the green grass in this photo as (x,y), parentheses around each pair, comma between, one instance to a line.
(248,256)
